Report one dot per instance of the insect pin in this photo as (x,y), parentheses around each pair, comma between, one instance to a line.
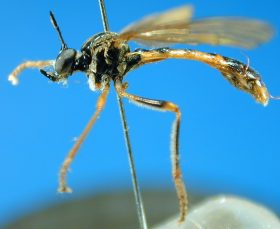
(106,58)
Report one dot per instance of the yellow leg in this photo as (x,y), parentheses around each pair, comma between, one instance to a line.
(63,187)
(13,77)
(176,171)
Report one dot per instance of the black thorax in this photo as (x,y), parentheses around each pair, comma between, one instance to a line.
(107,56)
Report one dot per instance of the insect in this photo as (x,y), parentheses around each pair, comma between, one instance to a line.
(106,58)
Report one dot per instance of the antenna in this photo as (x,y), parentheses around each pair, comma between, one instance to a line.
(55,25)
(104,15)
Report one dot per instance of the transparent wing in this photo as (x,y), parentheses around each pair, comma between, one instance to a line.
(175,27)
(161,21)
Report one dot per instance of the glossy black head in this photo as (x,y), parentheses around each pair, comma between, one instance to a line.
(67,61)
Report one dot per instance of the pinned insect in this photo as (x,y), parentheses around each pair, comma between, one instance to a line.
(106,57)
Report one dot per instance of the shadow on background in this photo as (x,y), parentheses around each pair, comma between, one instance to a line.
(102,211)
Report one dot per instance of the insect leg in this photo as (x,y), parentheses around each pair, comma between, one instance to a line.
(176,171)
(13,77)
(63,187)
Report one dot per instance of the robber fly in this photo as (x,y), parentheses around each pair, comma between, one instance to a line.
(106,57)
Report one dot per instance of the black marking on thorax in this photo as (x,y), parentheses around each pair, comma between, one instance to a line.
(107,58)
(107,63)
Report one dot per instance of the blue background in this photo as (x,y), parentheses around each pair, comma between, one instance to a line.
(229,143)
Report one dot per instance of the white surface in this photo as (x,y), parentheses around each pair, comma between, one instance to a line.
(225,212)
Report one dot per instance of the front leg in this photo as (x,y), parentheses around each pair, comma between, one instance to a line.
(176,171)
(13,77)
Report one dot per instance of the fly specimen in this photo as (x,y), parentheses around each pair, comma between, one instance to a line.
(106,57)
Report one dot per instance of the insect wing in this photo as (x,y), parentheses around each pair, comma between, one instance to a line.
(174,18)
(175,27)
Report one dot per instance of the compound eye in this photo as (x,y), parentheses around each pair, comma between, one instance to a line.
(65,62)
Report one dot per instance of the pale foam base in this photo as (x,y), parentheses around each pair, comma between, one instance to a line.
(226,212)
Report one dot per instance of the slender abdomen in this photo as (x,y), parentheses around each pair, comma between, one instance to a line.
(238,74)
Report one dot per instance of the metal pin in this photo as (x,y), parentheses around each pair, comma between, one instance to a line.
(137,193)
(104,15)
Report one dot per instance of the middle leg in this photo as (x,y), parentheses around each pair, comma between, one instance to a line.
(176,171)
